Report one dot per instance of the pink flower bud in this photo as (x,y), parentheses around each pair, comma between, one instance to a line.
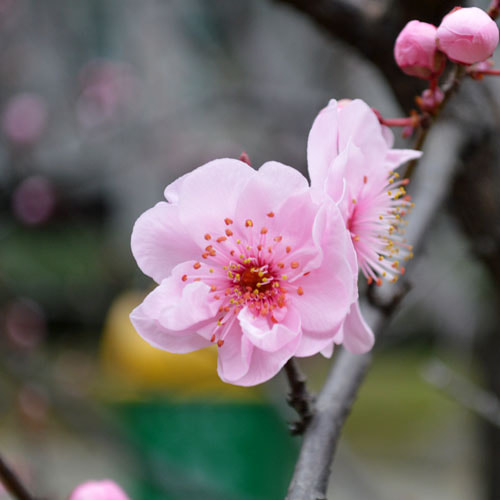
(98,490)
(416,52)
(467,35)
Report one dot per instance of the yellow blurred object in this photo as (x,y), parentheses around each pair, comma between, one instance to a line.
(133,367)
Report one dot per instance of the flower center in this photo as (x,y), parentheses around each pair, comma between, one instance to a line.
(253,279)
(377,228)
(251,269)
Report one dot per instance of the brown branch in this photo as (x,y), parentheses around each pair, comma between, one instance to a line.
(298,397)
(371,29)
(13,483)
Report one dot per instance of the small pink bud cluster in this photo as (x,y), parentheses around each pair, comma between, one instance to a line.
(465,36)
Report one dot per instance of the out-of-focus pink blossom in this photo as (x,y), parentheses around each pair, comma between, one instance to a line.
(416,52)
(33,404)
(467,35)
(351,161)
(106,87)
(98,490)
(24,323)
(24,118)
(34,200)
(246,260)
(6,6)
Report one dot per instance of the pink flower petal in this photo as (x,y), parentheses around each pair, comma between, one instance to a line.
(312,343)
(358,336)
(322,145)
(172,191)
(209,194)
(263,366)
(268,336)
(396,157)
(286,180)
(358,122)
(235,355)
(265,193)
(160,242)
(172,313)
(329,290)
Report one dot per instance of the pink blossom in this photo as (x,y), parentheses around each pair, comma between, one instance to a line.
(24,118)
(467,35)
(351,161)
(34,200)
(246,260)
(416,52)
(98,490)
(107,86)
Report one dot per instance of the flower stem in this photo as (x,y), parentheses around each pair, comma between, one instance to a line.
(493,72)
(451,85)
(398,122)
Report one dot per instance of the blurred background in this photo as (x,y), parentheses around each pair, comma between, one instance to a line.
(103,103)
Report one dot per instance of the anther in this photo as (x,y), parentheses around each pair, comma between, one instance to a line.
(220,239)
(248,223)
(196,265)
(288,249)
(263,230)
(229,232)
(294,265)
(270,214)
(228,221)
(300,291)
(208,237)
(184,277)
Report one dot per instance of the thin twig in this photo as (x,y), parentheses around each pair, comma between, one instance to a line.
(463,391)
(298,397)
(452,84)
(13,483)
